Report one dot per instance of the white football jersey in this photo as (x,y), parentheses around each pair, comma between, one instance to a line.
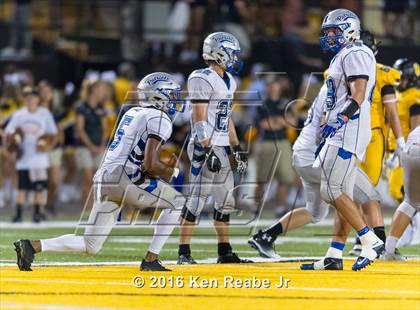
(207,85)
(353,61)
(306,144)
(34,125)
(413,138)
(128,145)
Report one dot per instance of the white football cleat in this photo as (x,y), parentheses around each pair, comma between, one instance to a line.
(368,255)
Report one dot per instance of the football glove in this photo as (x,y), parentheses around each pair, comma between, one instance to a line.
(332,126)
(241,158)
(213,162)
(394,160)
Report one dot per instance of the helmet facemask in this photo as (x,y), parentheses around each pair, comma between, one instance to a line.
(233,64)
(332,43)
(174,102)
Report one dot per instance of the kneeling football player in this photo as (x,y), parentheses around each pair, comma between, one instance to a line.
(130,173)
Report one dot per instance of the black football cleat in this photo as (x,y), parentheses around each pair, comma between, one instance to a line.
(327,263)
(232,258)
(186,259)
(17,218)
(264,244)
(25,254)
(37,217)
(155,265)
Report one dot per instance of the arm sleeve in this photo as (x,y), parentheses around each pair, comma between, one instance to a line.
(199,89)
(159,127)
(357,65)
(415,110)
(51,128)
(387,90)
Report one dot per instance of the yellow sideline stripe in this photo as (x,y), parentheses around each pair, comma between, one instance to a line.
(383,285)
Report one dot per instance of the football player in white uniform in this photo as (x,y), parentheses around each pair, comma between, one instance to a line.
(213,139)
(346,133)
(410,161)
(316,209)
(131,173)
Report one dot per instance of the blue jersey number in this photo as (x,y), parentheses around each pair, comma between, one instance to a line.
(371,93)
(331,95)
(120,132)
(222,115)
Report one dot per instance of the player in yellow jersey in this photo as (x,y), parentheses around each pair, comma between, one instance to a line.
(383,104)
(409,110)
(408,96)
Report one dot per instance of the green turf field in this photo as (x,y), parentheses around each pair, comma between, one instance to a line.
(131,244)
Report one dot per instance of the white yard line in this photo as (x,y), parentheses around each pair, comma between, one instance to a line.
(233,240)
(146,224)
(4,263)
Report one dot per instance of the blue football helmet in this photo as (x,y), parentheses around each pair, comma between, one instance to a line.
(162,91)
(224,49)
(347,29)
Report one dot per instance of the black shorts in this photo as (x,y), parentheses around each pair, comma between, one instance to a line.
(34,181)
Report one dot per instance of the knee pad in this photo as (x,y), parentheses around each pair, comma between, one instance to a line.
(187,215)
(218,216)
(319,213)
(407,209)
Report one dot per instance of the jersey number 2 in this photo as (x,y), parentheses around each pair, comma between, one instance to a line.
(222,116)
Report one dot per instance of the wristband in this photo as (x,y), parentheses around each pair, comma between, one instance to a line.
(201,130)
(401,142)
(351,108)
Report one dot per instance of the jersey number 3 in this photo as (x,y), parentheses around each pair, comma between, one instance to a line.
(120,131)
(222,116)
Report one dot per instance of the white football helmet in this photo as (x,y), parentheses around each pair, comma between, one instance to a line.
(223,48)
(347,26)
(162,91)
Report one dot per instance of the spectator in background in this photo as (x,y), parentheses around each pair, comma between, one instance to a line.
(91,132)
(20,39)
(393,10)
(10,101)
(123,83)
(34,122)
(274,151)
(46,92)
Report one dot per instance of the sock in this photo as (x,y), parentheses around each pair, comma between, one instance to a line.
(391,244)
(164,226)
(224,248)
(363,231)
(274,230)
(65,243)
(358,241)
(18,210)
(335,250)
(37,209)
(368,238)
(380,232)
(184,249)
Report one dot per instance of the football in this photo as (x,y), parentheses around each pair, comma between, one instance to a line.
(43,141)
(15,142)
(168,158)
